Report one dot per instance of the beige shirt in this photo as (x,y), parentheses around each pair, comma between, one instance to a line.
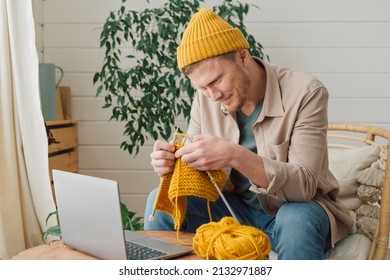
(290,135)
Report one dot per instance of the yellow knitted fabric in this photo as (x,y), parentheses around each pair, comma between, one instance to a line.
(185,181)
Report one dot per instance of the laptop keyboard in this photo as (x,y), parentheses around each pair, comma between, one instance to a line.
(139,252)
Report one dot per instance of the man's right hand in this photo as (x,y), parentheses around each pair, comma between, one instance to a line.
(163,157)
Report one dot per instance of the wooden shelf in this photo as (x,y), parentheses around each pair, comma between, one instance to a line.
(63,154)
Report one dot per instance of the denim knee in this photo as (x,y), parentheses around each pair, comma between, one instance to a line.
(160,220)
(301,231)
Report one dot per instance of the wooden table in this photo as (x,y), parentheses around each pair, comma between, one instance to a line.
(58,251)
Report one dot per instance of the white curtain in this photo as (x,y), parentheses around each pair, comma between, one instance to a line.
(25,190)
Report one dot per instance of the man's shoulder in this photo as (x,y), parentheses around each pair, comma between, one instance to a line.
(290,77)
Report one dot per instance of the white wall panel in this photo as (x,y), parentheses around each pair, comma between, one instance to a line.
(113,158)
(37,6)
(333,60)
(39,38)
(292,35)
(366,110)
(321,34)
(88,11)
(81,84)
(90,133)
(96,11)
(319,11)
(75,60)
(356,85)
(339,84)
(72,35)
(344,43)
(130,181)
(89,109)
(76,11)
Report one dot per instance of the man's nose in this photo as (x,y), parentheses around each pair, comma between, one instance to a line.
(214,94)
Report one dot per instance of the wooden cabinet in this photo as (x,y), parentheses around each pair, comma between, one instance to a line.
(63,154)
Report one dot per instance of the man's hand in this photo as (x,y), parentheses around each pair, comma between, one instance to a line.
(206,152)
(163,157)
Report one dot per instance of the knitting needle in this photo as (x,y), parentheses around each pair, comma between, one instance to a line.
(151,217)
(219,190)
(222,196)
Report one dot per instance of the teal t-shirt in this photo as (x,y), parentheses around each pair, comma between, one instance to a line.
(247,139)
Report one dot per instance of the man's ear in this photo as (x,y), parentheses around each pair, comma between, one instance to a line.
(243,56)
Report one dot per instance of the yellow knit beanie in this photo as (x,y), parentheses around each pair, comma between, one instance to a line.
(208,35)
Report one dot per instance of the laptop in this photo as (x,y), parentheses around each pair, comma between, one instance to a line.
(91,221)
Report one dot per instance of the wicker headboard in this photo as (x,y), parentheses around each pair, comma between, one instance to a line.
(344,135)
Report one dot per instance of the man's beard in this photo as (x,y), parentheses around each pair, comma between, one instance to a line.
(240,92)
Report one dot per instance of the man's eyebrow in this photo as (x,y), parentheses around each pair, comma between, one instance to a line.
(216,78)
(213,80)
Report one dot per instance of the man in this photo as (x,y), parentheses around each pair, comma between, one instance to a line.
(266,126)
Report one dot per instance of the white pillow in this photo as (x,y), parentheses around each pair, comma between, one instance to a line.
(346,164)
(352,247)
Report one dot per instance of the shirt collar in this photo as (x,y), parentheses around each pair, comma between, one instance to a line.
(272,104)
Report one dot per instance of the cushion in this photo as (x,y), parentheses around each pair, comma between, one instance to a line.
(352,247)
(346,165)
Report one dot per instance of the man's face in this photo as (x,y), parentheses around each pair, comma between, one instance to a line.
(222,81)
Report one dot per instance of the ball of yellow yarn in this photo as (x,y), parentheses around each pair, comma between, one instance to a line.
(228,240)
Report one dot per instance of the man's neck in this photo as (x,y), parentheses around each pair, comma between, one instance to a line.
(257,87)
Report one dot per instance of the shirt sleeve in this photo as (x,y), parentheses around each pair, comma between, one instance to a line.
(194,127)
(294,170)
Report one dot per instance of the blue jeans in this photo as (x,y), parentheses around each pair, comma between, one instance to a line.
(300,230)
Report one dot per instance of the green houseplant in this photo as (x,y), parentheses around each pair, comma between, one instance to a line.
(142,83)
